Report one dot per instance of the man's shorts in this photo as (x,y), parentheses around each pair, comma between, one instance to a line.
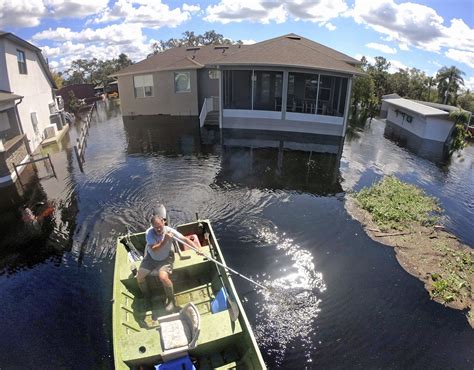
(153,267)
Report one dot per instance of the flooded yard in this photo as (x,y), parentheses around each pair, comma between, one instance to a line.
(277,207)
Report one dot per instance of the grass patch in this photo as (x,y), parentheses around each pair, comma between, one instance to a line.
(395,205)
(456,269)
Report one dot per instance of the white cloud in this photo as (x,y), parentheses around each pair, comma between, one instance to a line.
(113,34)
(191,8)
(23,13)
(29,13)
(248,42)
(330,26)
(466,57)
(408,23)
(469,83)
(413,24)
(74,8)
(381,47)
(148,13)
(278,11)
(403,46)
(396,65)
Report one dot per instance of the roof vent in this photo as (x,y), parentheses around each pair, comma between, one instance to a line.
(192,48)
(221,47)
(293,37)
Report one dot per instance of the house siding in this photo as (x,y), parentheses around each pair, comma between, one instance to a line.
(4,83)
(206,87)
(165,100)
(281,125)
(429,128)
(34,86)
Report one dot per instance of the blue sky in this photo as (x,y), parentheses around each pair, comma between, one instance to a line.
(426,34)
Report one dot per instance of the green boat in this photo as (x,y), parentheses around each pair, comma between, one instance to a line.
(210,330)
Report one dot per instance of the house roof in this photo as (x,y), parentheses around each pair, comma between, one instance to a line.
(295,51)
(414,107)
(288,50)
(19,41)
(8,96)
(445,107)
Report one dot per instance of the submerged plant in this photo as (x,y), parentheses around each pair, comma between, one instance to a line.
(396,205)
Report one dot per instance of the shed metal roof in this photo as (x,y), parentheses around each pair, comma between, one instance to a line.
(417,108)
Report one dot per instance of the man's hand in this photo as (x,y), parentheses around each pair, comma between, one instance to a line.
(168,236)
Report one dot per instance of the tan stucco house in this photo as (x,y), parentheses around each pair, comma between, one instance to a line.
(288,83)
(28,108)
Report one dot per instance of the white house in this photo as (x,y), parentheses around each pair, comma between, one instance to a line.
(28,110)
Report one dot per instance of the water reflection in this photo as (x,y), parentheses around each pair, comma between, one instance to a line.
(268,160)
(287,313)
(162,134)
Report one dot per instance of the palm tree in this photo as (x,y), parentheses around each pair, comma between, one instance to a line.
(431,82)
(449,80)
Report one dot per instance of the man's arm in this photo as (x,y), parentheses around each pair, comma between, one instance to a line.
(166,237)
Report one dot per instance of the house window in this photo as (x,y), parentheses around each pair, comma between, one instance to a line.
(20,56)
(182,82)
(143,85)
(214,74)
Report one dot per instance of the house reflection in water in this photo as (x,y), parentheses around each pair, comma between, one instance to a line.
(162,134)
(276,160)
(258,159)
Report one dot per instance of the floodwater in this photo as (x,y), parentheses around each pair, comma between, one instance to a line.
(277,207)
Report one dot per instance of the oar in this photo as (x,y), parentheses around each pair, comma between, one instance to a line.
(233,307)
(220,264)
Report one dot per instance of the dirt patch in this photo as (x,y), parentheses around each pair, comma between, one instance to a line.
(436,257)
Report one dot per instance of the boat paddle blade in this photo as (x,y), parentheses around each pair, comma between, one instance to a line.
(233,308)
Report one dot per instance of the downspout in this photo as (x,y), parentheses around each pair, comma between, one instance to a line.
(18,116)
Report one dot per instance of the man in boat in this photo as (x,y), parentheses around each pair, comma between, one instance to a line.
(159,256)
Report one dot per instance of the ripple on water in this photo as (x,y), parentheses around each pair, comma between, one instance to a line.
(290,306)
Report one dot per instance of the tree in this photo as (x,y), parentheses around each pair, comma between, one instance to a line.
(460,133)
(58,79)
(399,82)
(466,101)
(73,104)
(189,38)
(123,61)
(379,74)
(449,81)
(95,71)
(430,83)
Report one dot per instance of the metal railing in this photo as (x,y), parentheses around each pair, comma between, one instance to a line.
(81,141)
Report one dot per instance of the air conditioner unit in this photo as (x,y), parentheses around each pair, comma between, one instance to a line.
(57,119)
(52,108)
(50,131)
(60,102)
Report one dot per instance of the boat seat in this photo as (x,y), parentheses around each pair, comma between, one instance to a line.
(179,332)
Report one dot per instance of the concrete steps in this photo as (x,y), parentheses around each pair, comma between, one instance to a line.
(212,119)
